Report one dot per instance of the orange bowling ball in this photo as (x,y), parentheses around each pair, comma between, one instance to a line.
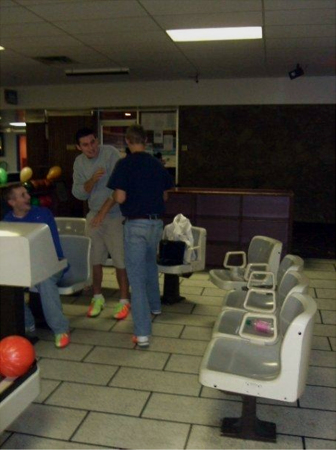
(17,355)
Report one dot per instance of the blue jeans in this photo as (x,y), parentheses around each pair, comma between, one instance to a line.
(141,238)
(51,305)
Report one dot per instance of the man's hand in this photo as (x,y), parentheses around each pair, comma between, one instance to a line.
(98,219)
(99,173)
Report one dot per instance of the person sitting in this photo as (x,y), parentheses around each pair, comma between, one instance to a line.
(18,199)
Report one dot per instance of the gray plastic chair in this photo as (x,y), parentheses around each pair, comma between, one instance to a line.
(263,255)
(236,298)
(230,320)
(171,287)
(77,252)
(277,371)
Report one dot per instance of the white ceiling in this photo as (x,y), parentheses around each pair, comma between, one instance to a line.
(131,33)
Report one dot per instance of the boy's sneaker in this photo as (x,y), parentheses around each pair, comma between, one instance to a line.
(156,313)
(141,341)
(62,340)
(121,311)
(96,307)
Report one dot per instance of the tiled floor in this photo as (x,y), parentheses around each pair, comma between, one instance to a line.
(101,392)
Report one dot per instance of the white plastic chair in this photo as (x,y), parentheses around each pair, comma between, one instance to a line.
(77,226)
(171,287)
(276,372)
(231,320)
(77,252)
(235,298)
(263,255)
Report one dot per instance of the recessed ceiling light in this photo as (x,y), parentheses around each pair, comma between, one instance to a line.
(215,34)
(17,124)
(2,48)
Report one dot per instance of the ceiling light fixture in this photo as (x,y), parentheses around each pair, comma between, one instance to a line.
(93,72)
(2,48)
(215,34)
(17,124)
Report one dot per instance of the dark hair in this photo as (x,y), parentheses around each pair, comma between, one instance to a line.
(84,132)
(136,134)
(8,192)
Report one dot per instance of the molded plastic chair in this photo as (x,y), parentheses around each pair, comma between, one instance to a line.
(277,371)
(71,225)
(263,255)
(75,225)
(77,251)
(171,288)
(236,298)
(230,320)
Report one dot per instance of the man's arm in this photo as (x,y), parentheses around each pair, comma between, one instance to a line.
(100,216)
(119,196)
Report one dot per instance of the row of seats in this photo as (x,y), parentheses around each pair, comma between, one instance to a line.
(261,344)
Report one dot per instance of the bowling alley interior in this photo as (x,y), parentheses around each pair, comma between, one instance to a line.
(237,99)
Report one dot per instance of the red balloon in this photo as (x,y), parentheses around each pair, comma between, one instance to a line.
(17,355)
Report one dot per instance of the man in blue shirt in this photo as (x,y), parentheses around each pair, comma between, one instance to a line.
(19,200)
(140,183)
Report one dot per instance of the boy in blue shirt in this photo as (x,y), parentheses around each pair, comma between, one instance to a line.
(22,211)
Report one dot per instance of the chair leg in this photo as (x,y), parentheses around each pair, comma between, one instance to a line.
(248,426)
(171,289)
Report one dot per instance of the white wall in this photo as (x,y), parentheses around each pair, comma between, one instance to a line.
(10,152)
(302,90)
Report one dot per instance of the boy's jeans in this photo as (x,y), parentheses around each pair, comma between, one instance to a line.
(51,305)
(142,237)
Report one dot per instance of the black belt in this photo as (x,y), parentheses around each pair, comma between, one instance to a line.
(145,216)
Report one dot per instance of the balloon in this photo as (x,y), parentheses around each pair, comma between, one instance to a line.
(26,174)
(54,172)
(35,201)
(28,185)
(17,355)
(3,176)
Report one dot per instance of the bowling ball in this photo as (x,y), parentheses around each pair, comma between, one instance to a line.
(35,201)
(26,174)
(54,172)
(17,355)
(3,176)
(28,185)
(45,201)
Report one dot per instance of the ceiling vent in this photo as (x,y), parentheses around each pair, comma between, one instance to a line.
(54,60)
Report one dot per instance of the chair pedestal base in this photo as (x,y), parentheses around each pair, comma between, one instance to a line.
(171,289)
(248,426)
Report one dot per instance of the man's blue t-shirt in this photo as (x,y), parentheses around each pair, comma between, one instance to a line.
(144,179)
(38,214)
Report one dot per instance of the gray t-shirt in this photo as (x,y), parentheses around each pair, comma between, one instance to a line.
(85,167)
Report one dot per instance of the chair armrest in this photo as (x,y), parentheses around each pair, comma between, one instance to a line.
(260,328)
(228,255)
(252,267)
(260,292)
(254,279)
(188,253)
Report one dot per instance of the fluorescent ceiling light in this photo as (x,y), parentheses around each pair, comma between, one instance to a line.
(92,72)
(17,124)
(215,34)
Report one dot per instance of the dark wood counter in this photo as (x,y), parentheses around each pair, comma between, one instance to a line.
(233,216)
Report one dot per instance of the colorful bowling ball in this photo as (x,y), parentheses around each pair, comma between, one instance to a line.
(17,355)
(28,185)
(54,172)
(3,176)
(26,174)
(35,201)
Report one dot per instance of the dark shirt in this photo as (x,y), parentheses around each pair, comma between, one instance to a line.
(144,180)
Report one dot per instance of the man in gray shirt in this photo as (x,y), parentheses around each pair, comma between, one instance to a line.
(91,172)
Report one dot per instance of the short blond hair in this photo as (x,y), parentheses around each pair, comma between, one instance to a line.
(136,134)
